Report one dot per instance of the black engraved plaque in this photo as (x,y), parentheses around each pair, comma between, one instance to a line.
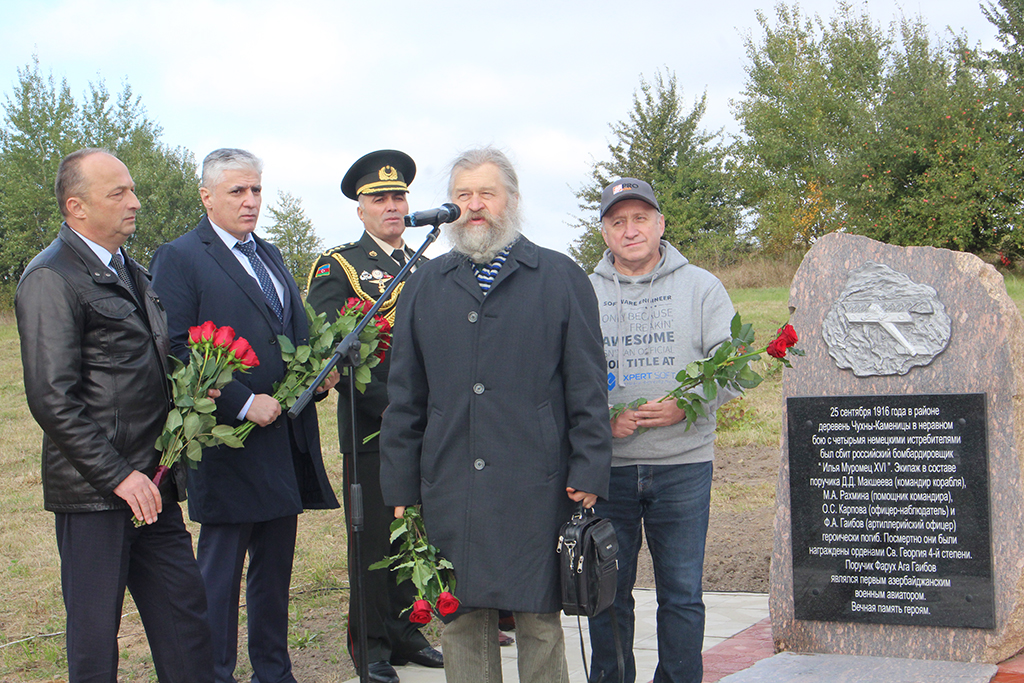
(890,510)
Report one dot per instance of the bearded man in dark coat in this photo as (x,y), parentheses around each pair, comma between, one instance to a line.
(498,419)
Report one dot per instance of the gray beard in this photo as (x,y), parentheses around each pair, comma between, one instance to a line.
(482,244)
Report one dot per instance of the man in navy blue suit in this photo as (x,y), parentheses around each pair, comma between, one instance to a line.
(247,501)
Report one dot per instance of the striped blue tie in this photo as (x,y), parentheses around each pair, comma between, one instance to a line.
(262,276)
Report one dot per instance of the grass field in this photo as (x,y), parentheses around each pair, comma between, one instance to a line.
(31,613)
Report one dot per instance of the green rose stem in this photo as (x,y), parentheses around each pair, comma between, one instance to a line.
(305,362)
(420,562)
(215,354)
(729,367)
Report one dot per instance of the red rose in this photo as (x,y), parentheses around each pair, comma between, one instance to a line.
(383,326)
(352,303)
(249,359)
(193,335)
(777,348)
(239,346)
(223,337)
(421,613)
(788,335)
(204,332)
(446,604)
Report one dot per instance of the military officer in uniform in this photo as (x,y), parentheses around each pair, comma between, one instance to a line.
(363,269)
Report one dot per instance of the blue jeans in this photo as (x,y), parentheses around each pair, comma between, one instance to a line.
(673,503)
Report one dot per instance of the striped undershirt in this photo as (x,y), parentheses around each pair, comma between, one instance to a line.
(486,272)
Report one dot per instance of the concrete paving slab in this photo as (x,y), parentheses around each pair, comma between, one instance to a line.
(727,615)
(813,668)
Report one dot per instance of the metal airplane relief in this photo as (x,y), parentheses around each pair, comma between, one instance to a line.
(884,323)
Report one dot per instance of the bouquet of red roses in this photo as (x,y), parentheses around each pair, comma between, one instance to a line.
(729,366)
(305,362)
(420,562)
(215,355)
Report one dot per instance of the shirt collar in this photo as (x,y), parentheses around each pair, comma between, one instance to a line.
(102,253)
(385,247)
(229,240)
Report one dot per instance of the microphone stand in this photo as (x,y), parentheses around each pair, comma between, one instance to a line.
(347,353)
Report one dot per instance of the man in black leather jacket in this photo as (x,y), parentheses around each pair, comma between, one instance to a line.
(94,349)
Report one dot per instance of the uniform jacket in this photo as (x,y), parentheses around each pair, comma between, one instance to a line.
(498,403)
(274,475)
(95,373)
(359,270)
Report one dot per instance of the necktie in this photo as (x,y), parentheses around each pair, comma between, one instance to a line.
(399,255)
(262,276)
(122,273)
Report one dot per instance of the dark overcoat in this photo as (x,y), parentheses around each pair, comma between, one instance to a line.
(274,475)
(497,404)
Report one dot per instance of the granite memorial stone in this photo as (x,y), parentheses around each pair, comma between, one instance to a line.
(899,528)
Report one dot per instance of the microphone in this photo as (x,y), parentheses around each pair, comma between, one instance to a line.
(447,213)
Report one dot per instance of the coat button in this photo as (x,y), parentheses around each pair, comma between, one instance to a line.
(473,316)
(273,341)
(478,388)
(478,464)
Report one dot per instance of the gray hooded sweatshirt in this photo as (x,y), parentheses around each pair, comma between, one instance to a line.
(653,325)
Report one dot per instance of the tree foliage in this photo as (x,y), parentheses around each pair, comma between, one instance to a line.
(809,99)
(42,124)
(883,132)
(937,172)
(663,144)
(294,235)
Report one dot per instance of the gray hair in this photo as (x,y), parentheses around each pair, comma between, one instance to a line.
(474,158)
(70,180)
(227,158)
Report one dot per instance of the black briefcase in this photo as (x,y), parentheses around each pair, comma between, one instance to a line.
(587,547)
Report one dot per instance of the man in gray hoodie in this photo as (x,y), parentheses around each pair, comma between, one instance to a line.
(658,313)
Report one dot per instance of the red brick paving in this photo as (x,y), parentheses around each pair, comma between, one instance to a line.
(743,650)
(1010,671)
(753,644)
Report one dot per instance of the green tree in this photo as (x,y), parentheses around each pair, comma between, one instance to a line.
(808,103)
(663,144)
(42,124)
(939,169)
(165,177)
(294,235)
(886,133)
(1008,18)
(40,129)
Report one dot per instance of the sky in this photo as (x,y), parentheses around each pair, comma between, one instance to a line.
(310,86)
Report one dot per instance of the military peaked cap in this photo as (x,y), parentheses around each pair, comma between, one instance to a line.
(386,170)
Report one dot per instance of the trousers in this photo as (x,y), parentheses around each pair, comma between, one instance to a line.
(672,502)
(470,645)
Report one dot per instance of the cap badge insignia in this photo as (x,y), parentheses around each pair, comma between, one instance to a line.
(388,173)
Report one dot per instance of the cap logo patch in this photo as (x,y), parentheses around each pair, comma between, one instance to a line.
(388,173)
(624,186)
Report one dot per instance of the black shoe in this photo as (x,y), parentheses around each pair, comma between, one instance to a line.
(506,621)
(383,672)
(428,656)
